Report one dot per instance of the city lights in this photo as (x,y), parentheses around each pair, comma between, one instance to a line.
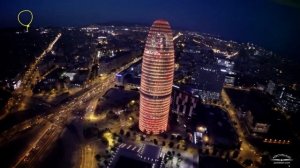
(101,86)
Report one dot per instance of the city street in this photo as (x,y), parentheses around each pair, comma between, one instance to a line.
(28,80)
(247,151)
(46,139)
(88,156)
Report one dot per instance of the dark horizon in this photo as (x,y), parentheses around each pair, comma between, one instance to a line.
(272,24)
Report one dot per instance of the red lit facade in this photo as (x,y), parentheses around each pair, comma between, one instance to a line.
(157,78)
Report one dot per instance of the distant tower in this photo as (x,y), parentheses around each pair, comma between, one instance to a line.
(157,78)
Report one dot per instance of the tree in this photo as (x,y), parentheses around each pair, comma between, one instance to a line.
(215,101)
(128,134)
(98,157)
(120,140)
(106,162)
(114,148)
(104,141)
(187,139)
(248,162)
(215,151)
(179,138)
(155,141)
(221,152)
(206,151)
(227,155)
(121,132)
(235,154)
(266,162)
(172,137)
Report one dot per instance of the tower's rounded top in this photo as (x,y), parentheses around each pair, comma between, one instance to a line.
(161,22)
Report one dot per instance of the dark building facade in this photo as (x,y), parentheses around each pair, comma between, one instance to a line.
(184,103)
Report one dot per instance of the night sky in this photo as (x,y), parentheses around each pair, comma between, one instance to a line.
(273,24)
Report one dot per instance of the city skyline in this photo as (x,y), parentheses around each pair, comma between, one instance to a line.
(272,24)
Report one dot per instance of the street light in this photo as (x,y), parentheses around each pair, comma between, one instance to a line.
(205,139)
(132,102)
(201,128)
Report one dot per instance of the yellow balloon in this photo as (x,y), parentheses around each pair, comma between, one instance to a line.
(23,24)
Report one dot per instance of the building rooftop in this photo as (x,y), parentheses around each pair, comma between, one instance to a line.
(151,151)
(210,79)
(133,80)
(147,156)
(132,163)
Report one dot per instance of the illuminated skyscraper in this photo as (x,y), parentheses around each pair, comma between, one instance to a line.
(157,78)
